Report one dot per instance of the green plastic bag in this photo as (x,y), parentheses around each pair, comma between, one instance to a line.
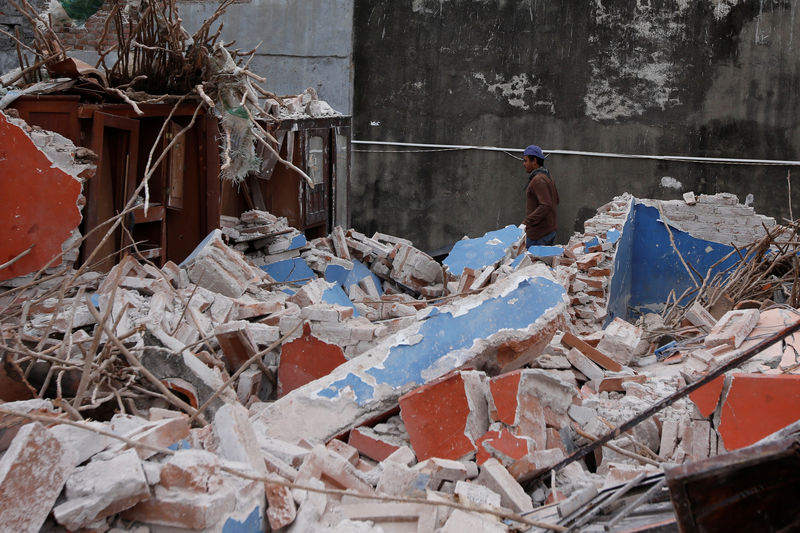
(80,10)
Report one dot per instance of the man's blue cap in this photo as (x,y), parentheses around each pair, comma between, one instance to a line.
(533,151)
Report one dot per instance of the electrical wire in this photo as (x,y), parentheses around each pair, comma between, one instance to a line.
(510,151)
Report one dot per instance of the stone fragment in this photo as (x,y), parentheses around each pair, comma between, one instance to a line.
(392,517)
(335,471)
(194,470)
(442,471)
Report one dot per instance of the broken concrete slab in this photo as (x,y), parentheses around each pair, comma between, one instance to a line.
(482,251)
(474,332)
(37,231)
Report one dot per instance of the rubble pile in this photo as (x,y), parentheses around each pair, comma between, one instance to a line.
(353,383)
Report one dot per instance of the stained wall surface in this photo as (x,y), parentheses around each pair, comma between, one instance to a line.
(713,78)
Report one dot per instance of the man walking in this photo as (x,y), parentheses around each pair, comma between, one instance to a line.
(541,200)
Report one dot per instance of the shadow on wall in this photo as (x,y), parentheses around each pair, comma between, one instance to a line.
(647,269)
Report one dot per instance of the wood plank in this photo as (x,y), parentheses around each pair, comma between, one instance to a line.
(591,352)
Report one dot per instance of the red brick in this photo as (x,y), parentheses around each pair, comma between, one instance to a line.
(236,342)
(732,328)
(345,450)
(281,510)
(32,472)
(305,359)
(371,444)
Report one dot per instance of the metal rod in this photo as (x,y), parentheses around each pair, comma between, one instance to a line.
(669,400)
(625,489)
(635,503)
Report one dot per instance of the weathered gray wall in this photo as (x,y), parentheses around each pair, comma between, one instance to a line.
(306,43)
(712,78)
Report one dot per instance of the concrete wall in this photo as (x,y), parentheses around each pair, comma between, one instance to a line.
(306,43)
(704,78)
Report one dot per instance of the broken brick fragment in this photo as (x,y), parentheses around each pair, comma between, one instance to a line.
(757,406)
(305,359)
(32,472)
(446,417)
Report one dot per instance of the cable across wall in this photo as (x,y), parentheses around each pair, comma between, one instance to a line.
(426,147)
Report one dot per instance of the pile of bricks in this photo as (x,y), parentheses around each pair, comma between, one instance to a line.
(273,345)
(587,265)
(715,217)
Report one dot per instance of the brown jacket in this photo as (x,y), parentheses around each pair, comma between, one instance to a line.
(541,204)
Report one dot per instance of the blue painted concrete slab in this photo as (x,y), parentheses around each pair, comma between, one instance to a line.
(546,251)
(335,295)
(293,269)
(445,332)
(612,236)
(349,277)
(647,268)
(298,242)
(455,336)
(203,243)
(482,251)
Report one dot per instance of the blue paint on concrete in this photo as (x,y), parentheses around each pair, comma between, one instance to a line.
(546,251)
(180,445)
(335,295)
(254,523)
(298,242)
(517,260)
(647,268)
(294,269)
(443,333)
(95,299)
(347,277)
(590,244)
(200,246)
(363,391)
(479,253)
(612,236)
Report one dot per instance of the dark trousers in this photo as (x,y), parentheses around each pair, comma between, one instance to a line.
(547,240)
